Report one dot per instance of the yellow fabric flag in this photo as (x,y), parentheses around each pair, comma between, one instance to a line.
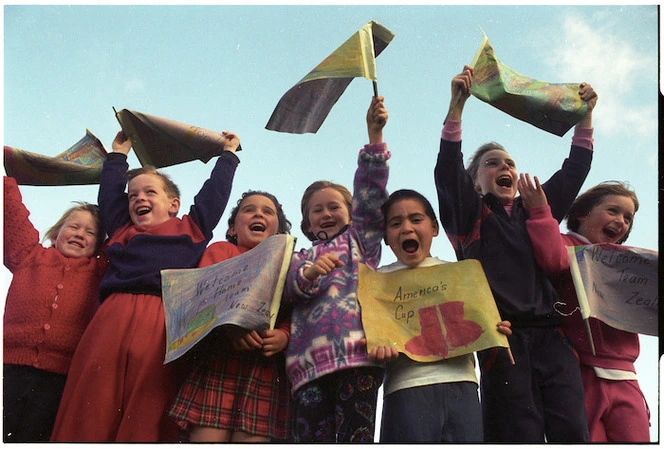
(430,313)
(304,107)
(355,57)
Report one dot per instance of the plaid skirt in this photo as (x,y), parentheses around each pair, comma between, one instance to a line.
(238,391)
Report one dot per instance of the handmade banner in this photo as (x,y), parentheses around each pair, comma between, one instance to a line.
(430,313)
(79,165)
(618,285)
(244,291)
(306,105)
(552,107)
(162,142)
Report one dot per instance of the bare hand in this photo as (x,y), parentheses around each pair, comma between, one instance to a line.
(505,328)
(274,341)
(243,340)
(532,196)
(121,143)
(231,141)
(588,95)
(383,354)
(376,119)
(461,85)
(325,264)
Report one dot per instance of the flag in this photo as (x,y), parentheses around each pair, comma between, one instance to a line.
(162,142)
(430,313)
(305,106)
(244,290)
(618,285)
(555,108)
(78,165)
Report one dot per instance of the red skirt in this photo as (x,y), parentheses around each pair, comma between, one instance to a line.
(118,388)
(238,391)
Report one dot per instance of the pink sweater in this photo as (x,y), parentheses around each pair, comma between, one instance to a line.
(51,298)
(615,349)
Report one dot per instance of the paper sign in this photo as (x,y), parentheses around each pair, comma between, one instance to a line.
(430,313)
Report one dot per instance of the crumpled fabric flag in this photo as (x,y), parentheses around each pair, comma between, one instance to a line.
(306,105)
(555,108)
(618,285)
(162,142)
(430,313)
(79,165)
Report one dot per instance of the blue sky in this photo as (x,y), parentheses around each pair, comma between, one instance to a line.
(226,67)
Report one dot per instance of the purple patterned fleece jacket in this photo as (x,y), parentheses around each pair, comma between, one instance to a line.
(326,323)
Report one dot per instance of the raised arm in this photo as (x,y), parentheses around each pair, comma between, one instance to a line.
(548,245)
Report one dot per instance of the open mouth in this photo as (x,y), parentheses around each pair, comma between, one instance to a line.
(74,243)
(610,233)
(410,246)
(257,227)
(504,181)
(143,210)
(328,225)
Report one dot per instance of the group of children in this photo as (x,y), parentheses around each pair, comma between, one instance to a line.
(76,371)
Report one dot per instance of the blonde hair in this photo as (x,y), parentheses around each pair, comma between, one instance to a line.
(80,206)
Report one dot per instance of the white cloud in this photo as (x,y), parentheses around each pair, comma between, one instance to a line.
(134,85)
(593,50)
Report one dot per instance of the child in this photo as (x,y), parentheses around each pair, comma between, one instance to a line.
(51,299)
(237,389)
(334,385)
(425,402)
(119,388)
(616,408)
(541,396)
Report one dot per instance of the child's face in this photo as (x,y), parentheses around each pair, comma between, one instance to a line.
(77,236)
(149,205)
(327,212)
(497,174)
(409,231)
(255,221)
(609,220)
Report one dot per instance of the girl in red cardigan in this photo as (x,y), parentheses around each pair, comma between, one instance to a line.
(237,389)
(51,299)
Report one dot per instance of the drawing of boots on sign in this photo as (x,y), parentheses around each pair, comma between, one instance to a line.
(431,341)
(460,332)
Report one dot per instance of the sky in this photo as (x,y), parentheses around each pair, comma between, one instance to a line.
(225,67)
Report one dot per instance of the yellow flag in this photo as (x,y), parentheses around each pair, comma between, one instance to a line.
(355,57)
(430,313)
(304,107)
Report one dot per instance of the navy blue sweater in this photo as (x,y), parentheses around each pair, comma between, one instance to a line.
(137,253)
(480,228)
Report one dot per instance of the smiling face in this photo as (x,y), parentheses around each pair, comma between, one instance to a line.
(78,235)
(255,221)
(149,204)
(328,213)
(409,231)
(497,174)
(609,220)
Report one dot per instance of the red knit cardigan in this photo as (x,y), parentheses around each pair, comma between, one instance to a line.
(51,298)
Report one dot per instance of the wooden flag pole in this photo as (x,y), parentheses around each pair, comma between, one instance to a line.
(375,87)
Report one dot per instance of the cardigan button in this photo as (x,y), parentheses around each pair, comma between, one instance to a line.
(54,305)
(60,286)
(47,326)
(67,268)
(35,363)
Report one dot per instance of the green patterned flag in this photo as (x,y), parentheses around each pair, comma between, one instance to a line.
(306,105)
(79,165)
(552,107)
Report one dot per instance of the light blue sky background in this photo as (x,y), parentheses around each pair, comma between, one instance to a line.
(226,67)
